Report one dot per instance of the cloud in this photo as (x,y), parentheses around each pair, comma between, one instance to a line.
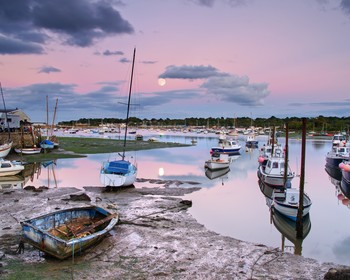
(78,23)
(15,46)
(48,69)
(226,87)
(108,52)
(345,6)
(190,72)
(237,90)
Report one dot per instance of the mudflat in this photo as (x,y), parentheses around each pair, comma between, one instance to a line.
(156,238)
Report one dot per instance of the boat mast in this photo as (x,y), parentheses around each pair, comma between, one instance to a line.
(8,125)
(127,112)
(54,116)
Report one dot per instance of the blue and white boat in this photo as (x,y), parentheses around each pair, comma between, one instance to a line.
(47,144)
(286,201)
(65,233)
(337,155)
(251,140)
(227,146)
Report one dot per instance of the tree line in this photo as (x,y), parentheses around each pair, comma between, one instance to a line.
(317,124)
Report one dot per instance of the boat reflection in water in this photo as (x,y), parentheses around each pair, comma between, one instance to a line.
(214,174)
(12,182)
(342,189)
(286,226)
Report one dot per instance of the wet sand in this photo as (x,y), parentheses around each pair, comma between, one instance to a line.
(156,238)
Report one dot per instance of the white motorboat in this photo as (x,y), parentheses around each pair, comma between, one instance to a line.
(273,173)
(227,146)
(28,151)
(286,201)
(9,168)
(215,163)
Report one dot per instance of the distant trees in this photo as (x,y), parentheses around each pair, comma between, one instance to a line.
(317,124)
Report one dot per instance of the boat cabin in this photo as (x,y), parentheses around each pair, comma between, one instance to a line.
(275,166)
(339,140)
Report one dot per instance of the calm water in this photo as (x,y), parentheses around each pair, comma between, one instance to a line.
(233,204)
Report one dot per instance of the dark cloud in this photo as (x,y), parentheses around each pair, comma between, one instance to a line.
(108,52)
(15,46)
(124,60)
(190,72)
(48,69)
(31,99)
(345,6)
(237,90)
(77,23)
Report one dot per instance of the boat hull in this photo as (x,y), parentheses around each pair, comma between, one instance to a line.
(36,231)
(273,180)
(28,151)
(8,168)
(225,151)
(5,149)
(291,210)
(116,178)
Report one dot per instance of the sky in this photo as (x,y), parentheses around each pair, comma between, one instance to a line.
(194,58)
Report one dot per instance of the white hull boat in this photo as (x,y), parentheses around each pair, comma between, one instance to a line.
(273,173)
(218,163)
(28,151)
(8,168)
(5,149)
(287,202)
(119,173)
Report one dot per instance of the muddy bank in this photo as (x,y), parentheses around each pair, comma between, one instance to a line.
(155,239)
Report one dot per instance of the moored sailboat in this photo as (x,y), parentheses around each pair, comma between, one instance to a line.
(120,173)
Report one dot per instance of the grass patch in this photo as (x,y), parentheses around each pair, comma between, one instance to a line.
(100,146)
(74,147)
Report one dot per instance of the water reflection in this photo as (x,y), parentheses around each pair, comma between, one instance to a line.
(237,208)
(284,225)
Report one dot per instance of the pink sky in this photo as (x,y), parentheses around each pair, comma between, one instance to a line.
(219,58)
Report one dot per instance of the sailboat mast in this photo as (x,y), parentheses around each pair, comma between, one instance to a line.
(8,125)
(127,112)
(54,116)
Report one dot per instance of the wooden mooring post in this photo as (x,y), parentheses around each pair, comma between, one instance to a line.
(286,155)
(299,223)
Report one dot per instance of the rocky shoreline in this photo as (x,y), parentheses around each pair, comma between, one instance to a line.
(156,238)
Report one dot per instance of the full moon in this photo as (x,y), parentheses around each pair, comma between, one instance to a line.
(161,82)
(161,171)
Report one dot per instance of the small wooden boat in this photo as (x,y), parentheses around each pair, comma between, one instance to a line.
(5,149)
(286,201)
(64,233)
(215,163)
(28,151)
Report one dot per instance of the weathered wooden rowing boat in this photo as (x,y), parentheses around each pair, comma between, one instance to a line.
(64,233)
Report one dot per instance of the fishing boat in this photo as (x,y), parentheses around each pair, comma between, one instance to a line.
(9,168)
(273,173)
(337,155)
(64,233)
(215,163)
(28,151)
(120,173)
(251,140)
(286,201)
(339,139)
(227,146)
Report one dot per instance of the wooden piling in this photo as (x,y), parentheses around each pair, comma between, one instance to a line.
(299,223)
